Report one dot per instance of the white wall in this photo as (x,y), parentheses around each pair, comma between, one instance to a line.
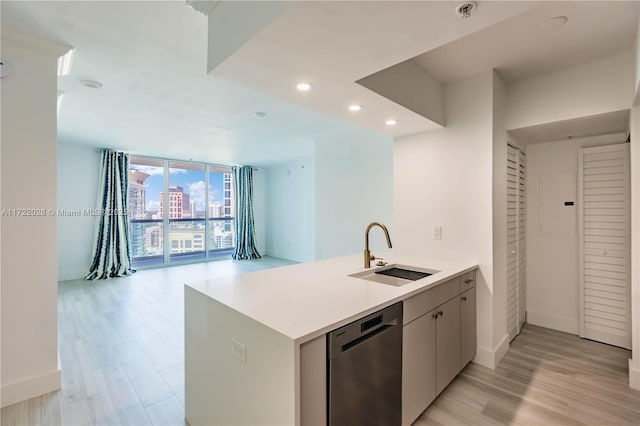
(78,176)
(597,87)
(29,276)
(499,199)
(444,178)
(354,186)
(552,260)
(290,210)
(634,363)
(637,55)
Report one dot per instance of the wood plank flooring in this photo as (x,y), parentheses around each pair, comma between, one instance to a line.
(121,345)
(121,348)
(546,378)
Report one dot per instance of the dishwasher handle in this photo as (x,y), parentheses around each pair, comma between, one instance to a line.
(365,337)
(357,332)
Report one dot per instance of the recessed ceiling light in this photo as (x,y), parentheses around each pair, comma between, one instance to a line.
(260,114)
(304,87)
(91,84)
(355,107)
(391,122)
(553,23)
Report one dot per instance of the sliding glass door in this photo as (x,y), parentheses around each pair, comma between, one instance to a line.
(189,205)
(187,201)
(146,183)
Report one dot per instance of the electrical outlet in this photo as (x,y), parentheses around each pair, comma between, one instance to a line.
(239,350)
(437,232)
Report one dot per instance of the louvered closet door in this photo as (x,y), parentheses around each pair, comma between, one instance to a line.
(522,241)
(605,231)
(516,242)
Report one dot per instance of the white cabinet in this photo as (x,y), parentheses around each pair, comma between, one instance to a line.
(467,326)
(447,343)
(418,366)
(439,339)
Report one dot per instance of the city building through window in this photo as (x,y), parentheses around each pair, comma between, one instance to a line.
(189,205)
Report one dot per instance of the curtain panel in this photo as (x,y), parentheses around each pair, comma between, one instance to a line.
(244,226)
(111,247)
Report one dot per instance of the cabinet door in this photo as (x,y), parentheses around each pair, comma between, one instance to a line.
(418,366)
(447,343)
(467,326)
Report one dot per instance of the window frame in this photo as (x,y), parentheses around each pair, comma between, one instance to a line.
(203,248)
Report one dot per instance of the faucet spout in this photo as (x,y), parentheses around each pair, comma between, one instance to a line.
(367,254)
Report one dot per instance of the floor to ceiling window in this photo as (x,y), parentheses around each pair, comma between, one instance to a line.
(146,182)
(180,211)
(221,237)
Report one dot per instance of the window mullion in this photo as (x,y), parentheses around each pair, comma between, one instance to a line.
(206,211)
(165,213)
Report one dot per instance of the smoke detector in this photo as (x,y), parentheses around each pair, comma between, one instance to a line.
(464,9)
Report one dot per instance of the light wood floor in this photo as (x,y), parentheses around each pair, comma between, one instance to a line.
(122,357)
(121,345)
(546,378)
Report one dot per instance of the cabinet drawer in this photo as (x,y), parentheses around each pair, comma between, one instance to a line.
(468,281)
(423,302)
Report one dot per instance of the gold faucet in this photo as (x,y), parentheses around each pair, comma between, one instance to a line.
(367,254)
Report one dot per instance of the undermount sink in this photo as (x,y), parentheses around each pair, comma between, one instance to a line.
(395,274)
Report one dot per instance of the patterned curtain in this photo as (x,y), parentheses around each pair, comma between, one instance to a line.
(111,248)
(244,228)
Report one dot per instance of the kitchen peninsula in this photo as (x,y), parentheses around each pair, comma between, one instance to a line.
(255,344)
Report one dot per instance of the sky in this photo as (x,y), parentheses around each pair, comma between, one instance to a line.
(192,181)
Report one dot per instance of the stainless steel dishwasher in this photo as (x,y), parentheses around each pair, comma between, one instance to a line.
(365,370)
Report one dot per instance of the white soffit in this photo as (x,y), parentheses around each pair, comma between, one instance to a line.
(594,125)
(334,44)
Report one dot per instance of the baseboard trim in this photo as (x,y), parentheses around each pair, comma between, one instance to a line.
(30,388)
(286,256)
(568,325)
(73,275)
(490,358)
(634,376)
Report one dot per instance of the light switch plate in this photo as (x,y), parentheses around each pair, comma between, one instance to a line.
(239,350)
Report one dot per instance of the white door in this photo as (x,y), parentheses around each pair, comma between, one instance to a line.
(604,225)
(516,241)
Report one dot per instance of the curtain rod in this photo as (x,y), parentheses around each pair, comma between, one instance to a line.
(99,150)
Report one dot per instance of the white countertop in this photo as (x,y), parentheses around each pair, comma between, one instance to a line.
(306,300)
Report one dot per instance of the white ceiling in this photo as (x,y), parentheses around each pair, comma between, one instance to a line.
(151,57)
(157,98)
(332,44)
(518,49)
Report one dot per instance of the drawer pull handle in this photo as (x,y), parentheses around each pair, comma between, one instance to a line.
(464,298)
(440,313)
(468,281)
(435,316)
